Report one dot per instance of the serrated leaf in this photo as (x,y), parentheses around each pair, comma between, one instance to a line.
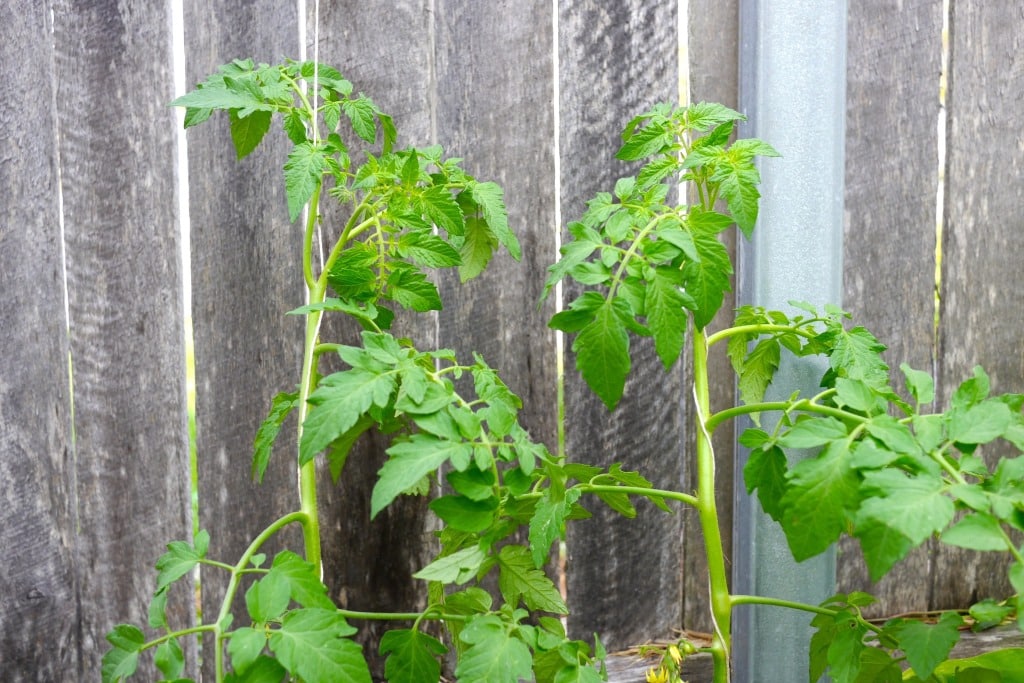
(915,506)
(281,405)
(412,656)
(267,598)
(264,670)
(465,514)
(704,115)
(439,204)
(920,384)
(665,305)
(338,403)
(360,112)
(519,578)
(248,132)
(302,580)
(311,644)
(765,471)
(477,248)
(490,198)
(926,645)
(980,423)
(882,546)
(707,280)
(408,462)
(411,288)
(644,142)
(302,174)
(548,523)
(977,531)
(602,355)
(493,655)
(757,370)
(857,354)
(738,185)
(821,494)
(1000,666)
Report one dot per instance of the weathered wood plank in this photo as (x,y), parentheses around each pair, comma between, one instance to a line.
(713,34)
(246,275)
(117,151)
(369,563)
(39,638)
(616,60)
(982,292)
(893,65)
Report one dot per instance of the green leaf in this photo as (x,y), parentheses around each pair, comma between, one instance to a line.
(813,432)
(644,142)
(340,400)
(1000,666)
(411,288)
(248,132)
(665,304)
(977,531)
(282,404)
(757,370)
(920,384)
(477,248)
(766,471)
(121,661)
(915,506)
(704,115)
(821,494)
(464,514)
(519,578)
(360,112)
(180,559)
(980,423)
(267,598)
(408,462)
(925,645)
(602,354)
(490,198)
(245,646)
(548,522)
(412,656)
(989,613)
(337,453)
(493,655)
(311,644)
(302,173)
(264,670)
(302,580)
(169,658)
(459,567)
(882,546)
(428,250)
(707,280)
(856,354)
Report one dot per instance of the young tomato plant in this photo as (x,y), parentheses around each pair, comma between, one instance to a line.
(648,267)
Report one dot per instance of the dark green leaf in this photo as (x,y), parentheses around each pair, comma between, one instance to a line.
(757,370)
(602,355)
(180,559)
(248,132)
(412,656)
(311,644)
(916,506)
(882,546)
(120,662)
(766,471)
(302,580)
(267,598)
(490,198)
(340,400)
(477,248)
(412,289)
(920,384)
(649,140)
(926,645)
(519,578)
(665,304)
(439,204)
(169,658)
(264,670)
(707,280)
(977,531)
(245,646)
(980,423)
(459,567)
(493,655)
(821,494)
(813,432)
(360,112)
(465,514)
(410,461)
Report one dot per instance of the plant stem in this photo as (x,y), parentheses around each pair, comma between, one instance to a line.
(718,577)
(307,471)
(640,491)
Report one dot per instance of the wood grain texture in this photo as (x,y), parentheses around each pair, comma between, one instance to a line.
(38,583)
(117,154)
(369,563)
(982,293)
(246,275)
(893,65)
(713,31)
(616,60)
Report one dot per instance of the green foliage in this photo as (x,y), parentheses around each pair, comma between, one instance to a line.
(857,458)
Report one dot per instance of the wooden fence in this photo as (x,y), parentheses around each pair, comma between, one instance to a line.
(93,488)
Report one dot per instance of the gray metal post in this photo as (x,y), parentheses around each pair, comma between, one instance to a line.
(793,90)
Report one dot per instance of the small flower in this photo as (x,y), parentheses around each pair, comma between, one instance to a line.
(657,675)
(674,653)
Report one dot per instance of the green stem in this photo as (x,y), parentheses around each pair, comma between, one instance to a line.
(201,628)
(639,491)
(762,329)
(401,616)
(236,575)
(307,471)
(718,576)
(801,606)
(803,405)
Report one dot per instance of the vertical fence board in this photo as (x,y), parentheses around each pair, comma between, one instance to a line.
(713,53)
(38,630)
(124,289)
(369,563)
(893,67)
(246,276)
(616,60)
(982,291)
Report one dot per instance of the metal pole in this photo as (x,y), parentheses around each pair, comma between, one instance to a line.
(793,91)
